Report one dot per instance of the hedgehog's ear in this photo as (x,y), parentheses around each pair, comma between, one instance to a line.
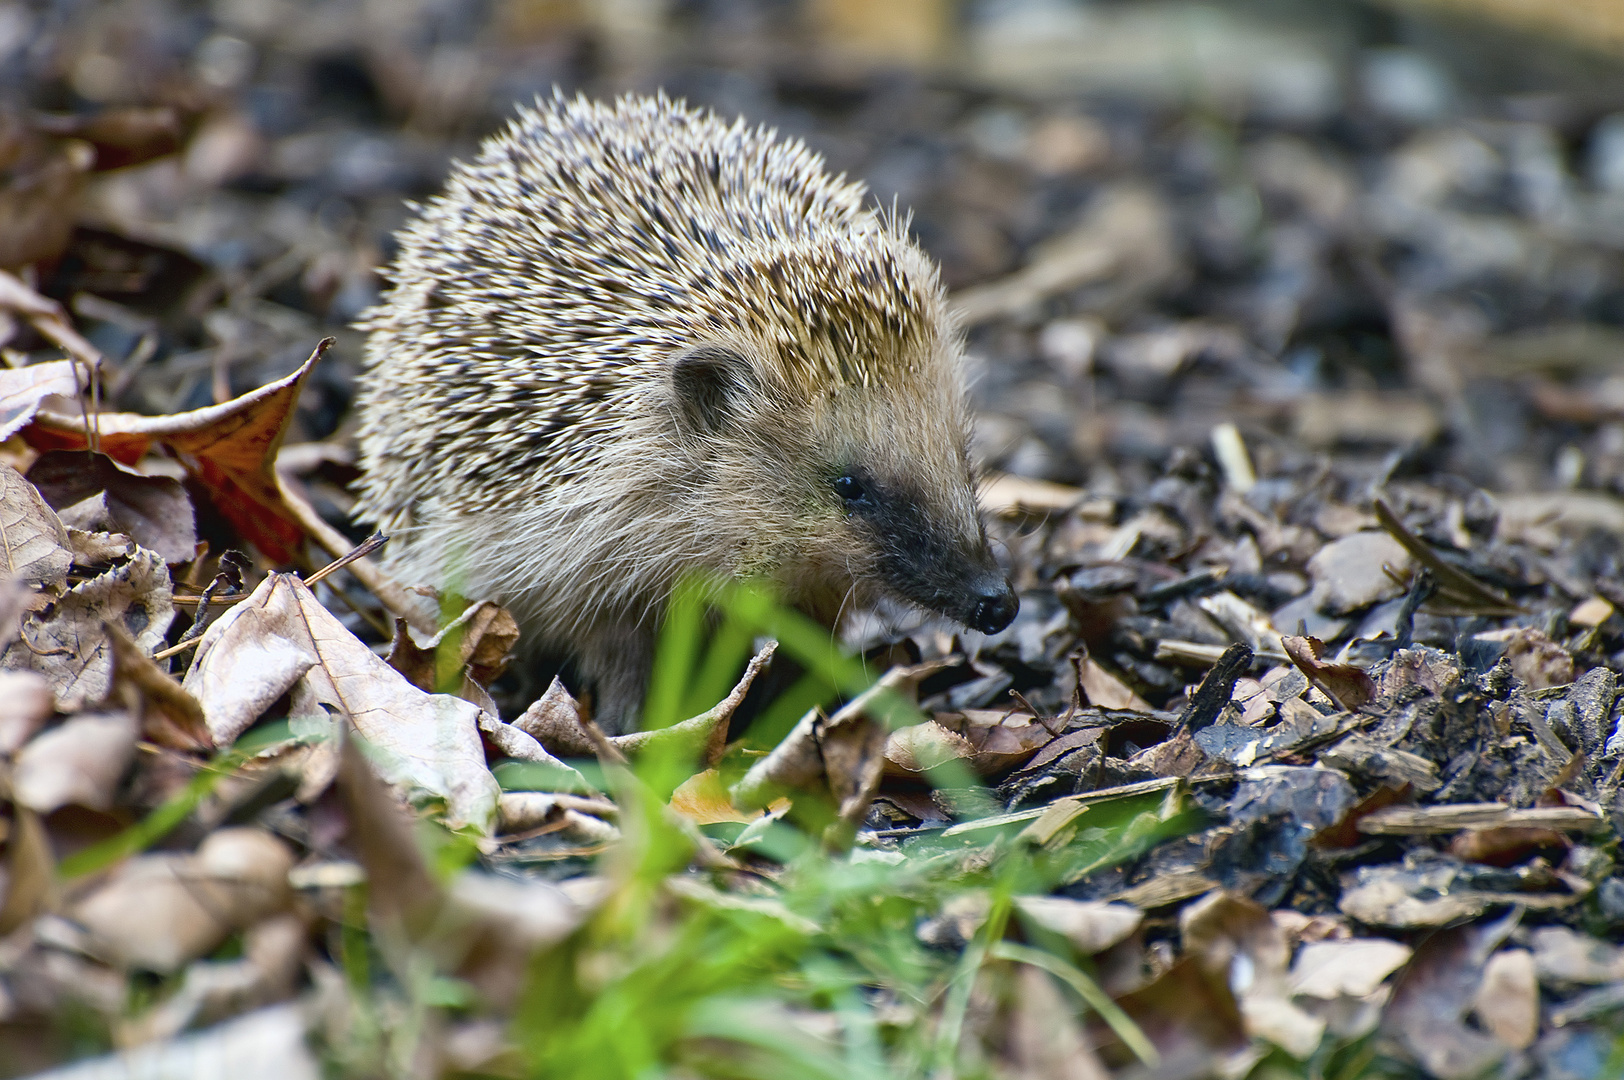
(710,383)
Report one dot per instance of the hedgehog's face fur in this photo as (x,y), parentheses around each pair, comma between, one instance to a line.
(851,494)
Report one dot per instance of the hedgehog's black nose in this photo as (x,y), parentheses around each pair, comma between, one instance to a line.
(995,609)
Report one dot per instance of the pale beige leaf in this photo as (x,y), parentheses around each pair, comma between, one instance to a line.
(23,390)
(270,1044)
(1092,926)
(1508,998)
(77,763)
(1352,968)
(918,748)
(554,721)
(1045,1040)
(1233,936)
(160,912)
(26,702)
(262,651)
(248,659)
(1106,690)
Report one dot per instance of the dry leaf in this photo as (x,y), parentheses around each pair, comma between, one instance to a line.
(1045,1040)
(29,881)
(160,912)
(1092,926)
(1352,968)
(919,748)
(168,715)
(1001,739)
(704,735)
(1348,686)
(473,647)
(521,811)
(1107,691)
(480,928)
(271,1044)
(70,646)
(39,199)
(92,550)
(1190,1015)
(1234,936)
(1507,1000)
(1535,659)
(95,493)
(1565,958)
(843,754)
(35,541)
(273,956)
(280,639)
(26,702)
(78,762)
(230,449)
(47,317)
(555,721)
(1427,1012)
(121,136)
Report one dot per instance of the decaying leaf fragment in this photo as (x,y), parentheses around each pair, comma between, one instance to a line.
(1348,686)
(916,749)
(843,753)
(280,639)
(471,649)
(706,734)
(555,720)
(69,646)
(168,715)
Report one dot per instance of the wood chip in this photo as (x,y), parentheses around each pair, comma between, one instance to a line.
(1166,889)
(1428,820)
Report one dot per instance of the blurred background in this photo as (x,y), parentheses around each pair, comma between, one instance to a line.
(1386,230)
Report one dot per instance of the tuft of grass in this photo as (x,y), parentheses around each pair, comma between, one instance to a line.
(812,964)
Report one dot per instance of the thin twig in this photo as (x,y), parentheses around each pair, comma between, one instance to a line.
(361,550)
(389,593)
(1453,583)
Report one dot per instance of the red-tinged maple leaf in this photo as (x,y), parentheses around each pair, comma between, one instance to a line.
(230,449)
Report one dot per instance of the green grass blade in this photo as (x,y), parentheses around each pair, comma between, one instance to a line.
(1087,989)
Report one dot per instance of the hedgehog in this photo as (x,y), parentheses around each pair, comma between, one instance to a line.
(631,342)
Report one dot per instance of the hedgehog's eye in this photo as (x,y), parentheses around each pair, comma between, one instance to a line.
(851,489)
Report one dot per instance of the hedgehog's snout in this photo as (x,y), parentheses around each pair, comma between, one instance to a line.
(929,558)
(995,607)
